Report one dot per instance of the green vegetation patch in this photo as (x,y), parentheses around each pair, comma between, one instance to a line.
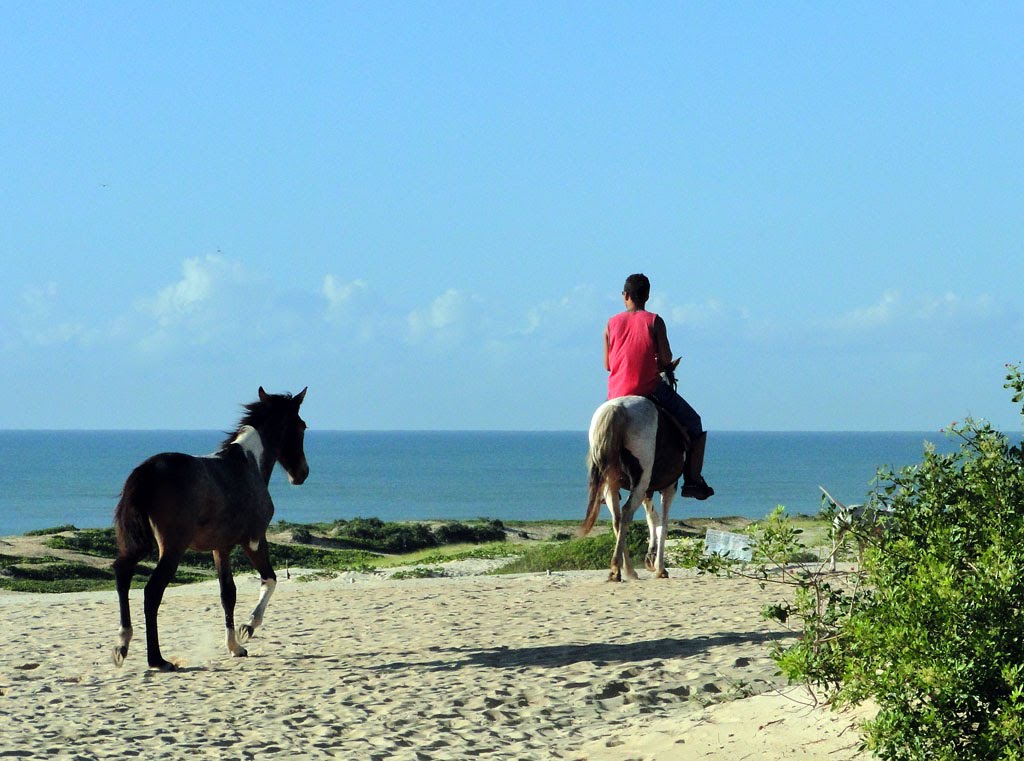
(90,541)
(587,554)
(54,530)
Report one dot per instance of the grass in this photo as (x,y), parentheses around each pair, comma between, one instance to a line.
(589,553)
(361,545)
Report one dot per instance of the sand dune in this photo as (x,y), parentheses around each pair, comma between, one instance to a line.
(565,666)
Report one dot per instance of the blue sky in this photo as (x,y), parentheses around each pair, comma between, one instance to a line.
(425,211)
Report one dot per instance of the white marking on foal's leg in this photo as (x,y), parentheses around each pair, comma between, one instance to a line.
(124,636)
(266,590)
(236,650)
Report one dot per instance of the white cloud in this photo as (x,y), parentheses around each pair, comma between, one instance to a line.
(202,278)
(38,324)
(448,318)
(564,315)
(339,294)
(214,297)
(882,312)
(696,315)
(925,315)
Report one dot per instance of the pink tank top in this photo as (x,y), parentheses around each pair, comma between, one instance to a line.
(631,354)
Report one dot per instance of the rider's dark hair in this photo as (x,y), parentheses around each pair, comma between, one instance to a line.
(638,288)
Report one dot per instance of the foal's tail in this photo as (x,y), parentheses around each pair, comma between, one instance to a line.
(131,520)
(605,458)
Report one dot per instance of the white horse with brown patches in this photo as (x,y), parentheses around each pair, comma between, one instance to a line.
(637,447)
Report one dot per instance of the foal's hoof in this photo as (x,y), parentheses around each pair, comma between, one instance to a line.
(120,653)
(650,561)
(162,665)
(240,653)
(244,632)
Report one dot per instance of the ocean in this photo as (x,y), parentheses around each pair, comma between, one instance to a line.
(51,478)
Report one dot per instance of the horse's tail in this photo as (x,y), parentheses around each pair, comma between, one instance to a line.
(131,517)
(607,439)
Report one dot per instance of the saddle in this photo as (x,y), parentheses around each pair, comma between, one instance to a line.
(666,420)
(671,450)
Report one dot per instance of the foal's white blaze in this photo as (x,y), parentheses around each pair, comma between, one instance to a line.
(248,439)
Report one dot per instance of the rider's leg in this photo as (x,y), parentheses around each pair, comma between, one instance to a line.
(679,408)
(694,484)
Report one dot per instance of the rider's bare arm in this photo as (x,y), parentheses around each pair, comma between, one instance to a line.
(661,347)
(607,351)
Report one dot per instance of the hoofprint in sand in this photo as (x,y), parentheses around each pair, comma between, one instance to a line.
(536,666)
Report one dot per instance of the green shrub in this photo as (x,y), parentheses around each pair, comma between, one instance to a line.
(90,541)
(932,630)
(419,572)
(374,534)
(461,533)
(586,554)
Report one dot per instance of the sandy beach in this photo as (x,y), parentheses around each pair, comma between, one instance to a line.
(535,666)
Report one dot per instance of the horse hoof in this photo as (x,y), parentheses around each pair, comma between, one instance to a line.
(244,632)
(120,652)
(240,653)
(662,575)
(164,666)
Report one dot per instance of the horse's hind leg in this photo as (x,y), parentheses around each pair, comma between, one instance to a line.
(154,594)
(124,570)
(653,534)
(259,555)
(611,498)
(222,561)
(627,558)
(622,555)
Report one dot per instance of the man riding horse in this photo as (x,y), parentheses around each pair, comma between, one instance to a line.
(636,350)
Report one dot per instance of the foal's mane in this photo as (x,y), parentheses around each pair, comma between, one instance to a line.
(256,415)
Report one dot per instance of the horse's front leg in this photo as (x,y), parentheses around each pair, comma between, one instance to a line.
(222,561)
(259,556)
(667,496)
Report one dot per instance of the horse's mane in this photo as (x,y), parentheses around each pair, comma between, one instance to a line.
(256,415)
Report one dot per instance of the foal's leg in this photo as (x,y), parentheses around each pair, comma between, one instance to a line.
(124,570)
(260,558)
(222,561)
(162,575)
